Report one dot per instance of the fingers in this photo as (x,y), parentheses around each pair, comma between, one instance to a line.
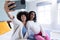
(12,6)
(7,0)
(9,5)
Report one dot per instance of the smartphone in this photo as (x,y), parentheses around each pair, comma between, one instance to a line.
(20,4)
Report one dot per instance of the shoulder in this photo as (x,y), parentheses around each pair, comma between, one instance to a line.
(29,22)
(16,21)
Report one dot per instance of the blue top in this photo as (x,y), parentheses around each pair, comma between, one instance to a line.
(24,31)
(31,34)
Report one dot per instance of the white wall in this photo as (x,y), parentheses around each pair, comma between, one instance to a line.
(3,15)
(31,6)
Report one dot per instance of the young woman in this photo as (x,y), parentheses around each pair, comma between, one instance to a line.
(38,30)
(19,22)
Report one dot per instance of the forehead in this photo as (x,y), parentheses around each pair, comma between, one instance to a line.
(23,15)
(32,13)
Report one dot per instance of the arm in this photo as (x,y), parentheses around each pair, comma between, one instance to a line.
(15,20)
(7,9)
(20,33)
(43,31)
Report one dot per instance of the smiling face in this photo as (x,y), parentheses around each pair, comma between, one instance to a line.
(32,16)
(23,18)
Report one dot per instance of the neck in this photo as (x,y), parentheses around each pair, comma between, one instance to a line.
(24,22)
(31,19)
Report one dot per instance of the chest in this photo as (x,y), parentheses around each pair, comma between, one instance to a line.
(35,26)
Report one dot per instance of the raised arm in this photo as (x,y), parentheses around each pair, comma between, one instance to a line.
(7,9)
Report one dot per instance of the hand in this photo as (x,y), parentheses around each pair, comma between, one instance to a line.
(7,9)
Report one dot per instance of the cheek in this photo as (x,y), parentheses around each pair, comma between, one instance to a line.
(24,18)
(32,16)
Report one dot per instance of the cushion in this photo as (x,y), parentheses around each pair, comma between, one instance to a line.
(4,27)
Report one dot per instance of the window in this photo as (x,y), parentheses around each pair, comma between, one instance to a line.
(44,14)
(58,13)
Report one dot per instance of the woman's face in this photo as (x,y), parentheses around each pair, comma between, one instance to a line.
(32,15)
(23,18)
